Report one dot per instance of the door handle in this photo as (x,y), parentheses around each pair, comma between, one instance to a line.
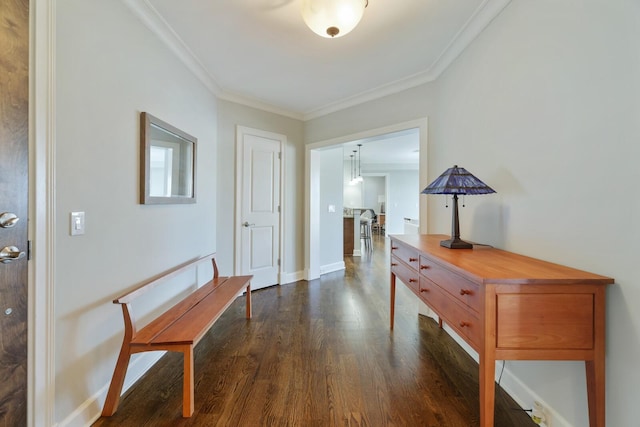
(246,224)
(10,253)
(8,219)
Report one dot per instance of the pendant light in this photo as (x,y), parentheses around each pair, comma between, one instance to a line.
(351,169)
(333,18)
(359,177)
(353,181)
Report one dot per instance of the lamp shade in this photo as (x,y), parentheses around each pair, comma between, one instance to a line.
(457,180)
(332,18)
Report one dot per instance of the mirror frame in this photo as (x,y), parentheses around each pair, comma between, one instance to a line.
(146,142)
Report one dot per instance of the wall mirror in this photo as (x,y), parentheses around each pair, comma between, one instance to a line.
(167,163)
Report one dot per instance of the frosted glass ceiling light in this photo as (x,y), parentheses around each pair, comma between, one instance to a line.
(333,18)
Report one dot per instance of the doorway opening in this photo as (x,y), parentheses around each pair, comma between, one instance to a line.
(313,200)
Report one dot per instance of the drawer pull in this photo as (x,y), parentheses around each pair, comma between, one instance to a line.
(412,280)
(424,290)
(393,248)
(425,267)
(393,264)
(413,259)
(465,292)
(464,324)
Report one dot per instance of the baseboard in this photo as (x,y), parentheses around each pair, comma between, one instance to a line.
(89,411)
(330,268)
(291,277)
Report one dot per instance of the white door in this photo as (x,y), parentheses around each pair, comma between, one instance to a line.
(258,221)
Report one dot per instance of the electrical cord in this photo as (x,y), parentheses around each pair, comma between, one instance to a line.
(504,362)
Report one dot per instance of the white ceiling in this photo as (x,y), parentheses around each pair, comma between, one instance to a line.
(260,52)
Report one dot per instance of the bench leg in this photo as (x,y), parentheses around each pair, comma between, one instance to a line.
(187,386)
(115,388)
(248,299)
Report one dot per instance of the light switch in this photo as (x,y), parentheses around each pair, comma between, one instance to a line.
(332,208)
(76,226)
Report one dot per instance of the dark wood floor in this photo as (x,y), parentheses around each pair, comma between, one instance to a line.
(321,354)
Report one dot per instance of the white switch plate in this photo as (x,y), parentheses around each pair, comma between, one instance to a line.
(76,226)
(332,208)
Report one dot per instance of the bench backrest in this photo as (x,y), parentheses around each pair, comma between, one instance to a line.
(156,280)
(126,299)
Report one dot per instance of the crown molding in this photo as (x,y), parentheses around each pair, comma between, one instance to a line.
(481,18)
(152,19)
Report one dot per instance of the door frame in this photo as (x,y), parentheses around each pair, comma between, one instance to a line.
(240,131)
(312,186)
(41,286)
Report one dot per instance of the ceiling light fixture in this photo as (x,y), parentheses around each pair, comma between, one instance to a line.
(333,18)
(354,164)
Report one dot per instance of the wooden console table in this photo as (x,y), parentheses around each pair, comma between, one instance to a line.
(509,307)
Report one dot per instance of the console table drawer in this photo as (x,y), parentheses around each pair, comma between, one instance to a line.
(465,322)
(545,321)
(407,275)
(462,289)
(407,255)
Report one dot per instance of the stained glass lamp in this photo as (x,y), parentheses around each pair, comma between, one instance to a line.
(457,181)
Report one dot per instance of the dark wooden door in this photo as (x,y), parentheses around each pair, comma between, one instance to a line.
(14,137)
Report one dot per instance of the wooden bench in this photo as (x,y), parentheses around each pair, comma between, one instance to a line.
(178,329)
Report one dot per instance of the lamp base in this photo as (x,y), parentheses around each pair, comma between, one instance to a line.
(456,244)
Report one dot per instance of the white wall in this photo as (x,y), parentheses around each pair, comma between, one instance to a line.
(331,223)
(231,115)
(109,69)
(544,108)
(372,187)
(403,199)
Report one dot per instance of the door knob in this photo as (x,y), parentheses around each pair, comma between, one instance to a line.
(10,253)
(8,219)
(246,224)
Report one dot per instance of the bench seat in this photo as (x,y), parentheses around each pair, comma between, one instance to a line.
(188,321)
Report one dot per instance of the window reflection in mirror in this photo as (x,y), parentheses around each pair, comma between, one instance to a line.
(167,162)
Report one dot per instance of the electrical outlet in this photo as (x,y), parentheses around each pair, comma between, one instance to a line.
(539,415)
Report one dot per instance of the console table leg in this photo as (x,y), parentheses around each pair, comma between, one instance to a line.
(393,299)
(487,391)
(595,392)
(595,369)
